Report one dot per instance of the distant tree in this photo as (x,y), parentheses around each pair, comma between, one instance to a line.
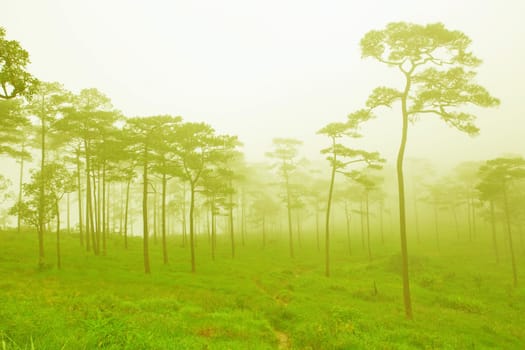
(227,162)
(14,78)
(195,148)
(466,175)
(46,104)
(432,61)
(148,138)
(498,177)
(36,210)
(87,118)
(340,157)
(285,153)
(370,183)
(165,163)
(60,181)
(264,207)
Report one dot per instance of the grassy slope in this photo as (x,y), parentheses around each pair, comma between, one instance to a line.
(261,300)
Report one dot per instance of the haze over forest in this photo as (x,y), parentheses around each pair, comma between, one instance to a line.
(270,69)
(271,175)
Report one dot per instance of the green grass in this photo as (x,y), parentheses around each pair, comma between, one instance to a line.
(262,299)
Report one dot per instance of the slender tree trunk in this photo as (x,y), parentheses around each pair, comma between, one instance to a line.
(401,191)
(121,210)
(155,224)
(509,234)
(126,213)
(368,228)
(97,192)
(59,261)
(232,238)
(347,219)
(184,233)
(493,226)
(104,216)
(362,221)
(164,244)
(68,214)
(41,199)
(20,187)
(289,212)
(192,232)
(243,218)
(213,228)
(79,188)
(145,213)
(328,208)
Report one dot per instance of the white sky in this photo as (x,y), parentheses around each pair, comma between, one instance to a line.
(264,69)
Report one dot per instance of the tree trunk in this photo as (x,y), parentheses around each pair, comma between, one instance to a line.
(164,244)
(493,226)
(368,228)
(289,212)
(97,192)
(68,214)
(509,235)
(59,262)
(145,213)
(41,199)
(328,208)
(20,187)
(213,227)
(104,216)
(126,214)
(232,238)
(155,224)
(402,211)
(183,222)
(192,233)
(79,188)
(347,219)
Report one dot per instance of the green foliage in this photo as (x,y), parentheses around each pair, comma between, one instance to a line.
(57,181)
(433,61)
(13,123)
(14,78)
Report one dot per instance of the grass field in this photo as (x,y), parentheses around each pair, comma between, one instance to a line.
(262,299)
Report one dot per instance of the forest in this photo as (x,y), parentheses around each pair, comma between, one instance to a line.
(154,232)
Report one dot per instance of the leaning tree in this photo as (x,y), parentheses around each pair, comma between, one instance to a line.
(438,72)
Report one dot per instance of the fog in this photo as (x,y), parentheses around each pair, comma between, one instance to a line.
(271,69)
